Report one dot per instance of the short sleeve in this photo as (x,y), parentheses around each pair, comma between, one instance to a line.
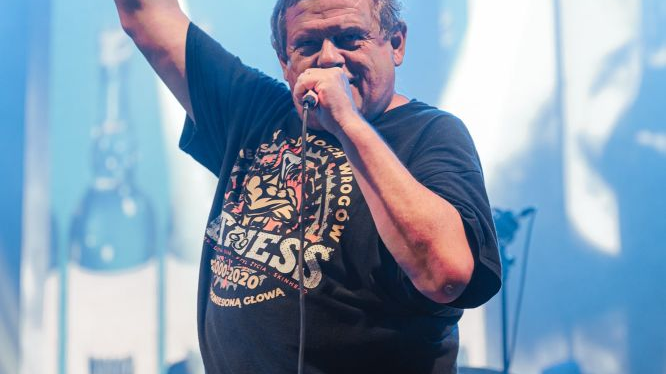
(227,97)
(445,160)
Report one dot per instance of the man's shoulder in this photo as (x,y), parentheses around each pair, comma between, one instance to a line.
(428,117)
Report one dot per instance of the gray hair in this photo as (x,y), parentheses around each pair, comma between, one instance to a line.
(387,12)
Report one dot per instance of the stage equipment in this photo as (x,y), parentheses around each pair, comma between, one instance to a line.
(507,224)
(466,370)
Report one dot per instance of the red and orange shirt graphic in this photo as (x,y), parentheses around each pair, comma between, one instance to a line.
(256,236)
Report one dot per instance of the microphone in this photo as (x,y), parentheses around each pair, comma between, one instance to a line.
(507,222)
(310,100)
(527,211)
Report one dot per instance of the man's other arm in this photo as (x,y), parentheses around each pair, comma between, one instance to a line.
(159,30)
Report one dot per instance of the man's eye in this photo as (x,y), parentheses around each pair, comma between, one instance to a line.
(308,47)
(349,41)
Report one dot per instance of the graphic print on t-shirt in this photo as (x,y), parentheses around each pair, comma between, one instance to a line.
(256,236)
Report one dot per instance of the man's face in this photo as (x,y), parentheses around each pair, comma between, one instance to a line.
(346,34)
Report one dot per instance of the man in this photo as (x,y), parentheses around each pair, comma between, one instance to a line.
(398,228)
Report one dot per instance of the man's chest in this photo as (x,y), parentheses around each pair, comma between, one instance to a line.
(254,240)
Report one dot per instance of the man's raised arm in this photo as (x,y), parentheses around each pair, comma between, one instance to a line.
(159,30)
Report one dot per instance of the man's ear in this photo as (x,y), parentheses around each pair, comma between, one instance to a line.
(398,41)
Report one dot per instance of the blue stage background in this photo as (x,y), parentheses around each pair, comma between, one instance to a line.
(565,101)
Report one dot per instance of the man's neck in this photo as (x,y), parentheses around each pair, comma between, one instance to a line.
(396,101)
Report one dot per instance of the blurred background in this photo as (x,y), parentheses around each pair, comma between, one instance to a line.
(101,216)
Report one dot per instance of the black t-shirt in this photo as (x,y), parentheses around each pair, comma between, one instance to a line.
(363,315)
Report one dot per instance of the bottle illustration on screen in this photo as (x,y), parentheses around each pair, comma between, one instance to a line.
(111,294)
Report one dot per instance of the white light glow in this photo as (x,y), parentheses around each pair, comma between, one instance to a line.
(602,74)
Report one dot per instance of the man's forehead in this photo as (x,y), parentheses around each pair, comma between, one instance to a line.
(330,15)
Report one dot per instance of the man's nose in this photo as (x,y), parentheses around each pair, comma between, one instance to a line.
(330,56)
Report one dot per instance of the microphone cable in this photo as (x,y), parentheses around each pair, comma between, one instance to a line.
(308,102)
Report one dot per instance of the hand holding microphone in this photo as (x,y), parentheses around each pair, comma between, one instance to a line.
(329,91)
